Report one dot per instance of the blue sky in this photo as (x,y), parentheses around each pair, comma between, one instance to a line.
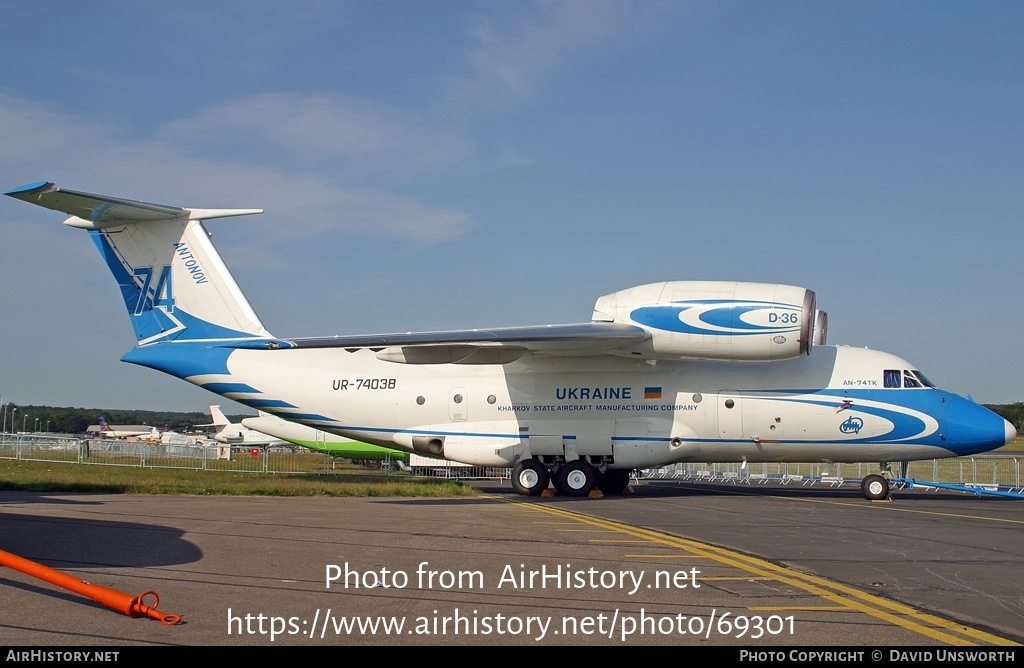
(460,164)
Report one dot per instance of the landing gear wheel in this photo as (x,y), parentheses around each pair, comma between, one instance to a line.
(530,477)
(613,481)
(874,487)
(576,478)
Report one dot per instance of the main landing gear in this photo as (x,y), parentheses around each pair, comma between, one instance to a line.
(576,478)
(530,477)
(579,477)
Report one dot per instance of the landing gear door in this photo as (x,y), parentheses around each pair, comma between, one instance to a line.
(632,441)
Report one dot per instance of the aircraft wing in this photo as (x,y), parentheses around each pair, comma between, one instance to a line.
(481,346)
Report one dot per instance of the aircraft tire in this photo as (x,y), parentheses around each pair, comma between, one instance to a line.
(530,477)
(874,487)
(613,481)
(576,478)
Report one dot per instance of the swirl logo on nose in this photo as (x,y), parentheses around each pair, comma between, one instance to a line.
(852,425)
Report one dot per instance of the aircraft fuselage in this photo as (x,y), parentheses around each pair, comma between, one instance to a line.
(617,412)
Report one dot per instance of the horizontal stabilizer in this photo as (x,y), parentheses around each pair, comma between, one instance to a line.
(95,212)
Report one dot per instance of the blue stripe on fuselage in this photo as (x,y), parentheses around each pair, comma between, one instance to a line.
(907,427)
(230,388)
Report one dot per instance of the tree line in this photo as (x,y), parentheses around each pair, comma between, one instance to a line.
(67,420)
(1013,413)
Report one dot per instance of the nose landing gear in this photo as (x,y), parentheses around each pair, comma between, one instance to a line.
(874,487)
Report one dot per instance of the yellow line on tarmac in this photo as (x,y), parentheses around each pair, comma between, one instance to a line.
(663,556)
(844,596)
(812,608)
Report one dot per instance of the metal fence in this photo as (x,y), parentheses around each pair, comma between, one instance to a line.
(986,471)
(221,457)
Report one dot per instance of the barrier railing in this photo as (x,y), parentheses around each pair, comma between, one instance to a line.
(1001,472)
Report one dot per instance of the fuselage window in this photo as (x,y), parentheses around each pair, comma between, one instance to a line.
(893,377)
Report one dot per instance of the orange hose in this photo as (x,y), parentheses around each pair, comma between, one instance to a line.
(133,606)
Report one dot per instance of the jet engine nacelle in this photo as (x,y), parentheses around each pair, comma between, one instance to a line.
(228,435)
(717,320)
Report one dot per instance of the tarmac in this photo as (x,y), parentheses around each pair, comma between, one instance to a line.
(673,563)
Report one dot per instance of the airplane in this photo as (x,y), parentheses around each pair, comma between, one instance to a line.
(266,430)
(142,432)
(237,434)
(675,371)
(320,440)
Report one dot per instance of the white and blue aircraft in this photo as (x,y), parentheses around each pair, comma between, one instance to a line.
(663,373)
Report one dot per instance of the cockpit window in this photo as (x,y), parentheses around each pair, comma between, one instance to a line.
(909,380)
(921,377)
(896,378)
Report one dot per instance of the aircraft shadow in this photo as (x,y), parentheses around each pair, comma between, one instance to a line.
(60,542)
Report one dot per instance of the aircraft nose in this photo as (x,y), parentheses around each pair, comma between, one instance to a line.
(972,428)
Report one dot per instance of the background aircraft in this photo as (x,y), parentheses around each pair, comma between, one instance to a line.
(126,431)
(267,430)
(238,434)
(708,371)
(319,440)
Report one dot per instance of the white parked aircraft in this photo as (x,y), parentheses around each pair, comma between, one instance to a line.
(667,372)
(320,440)
(127,431)
(237,434)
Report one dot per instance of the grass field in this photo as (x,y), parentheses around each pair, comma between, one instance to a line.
(1014,449)
(65,477)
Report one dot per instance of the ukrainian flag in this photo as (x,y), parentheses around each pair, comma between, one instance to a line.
(652,393)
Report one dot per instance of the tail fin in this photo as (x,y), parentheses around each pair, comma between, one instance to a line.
(227,431)
(219,419)
(174,283)
(103,424)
